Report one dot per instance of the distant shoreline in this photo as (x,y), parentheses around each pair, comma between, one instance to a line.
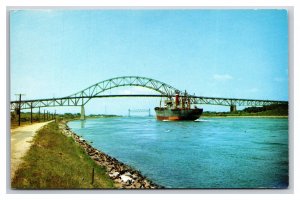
(243,116)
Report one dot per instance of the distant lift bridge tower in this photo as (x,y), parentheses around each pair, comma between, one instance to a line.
(139,111)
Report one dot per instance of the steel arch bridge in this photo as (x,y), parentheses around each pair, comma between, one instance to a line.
(84,96)
(98,88)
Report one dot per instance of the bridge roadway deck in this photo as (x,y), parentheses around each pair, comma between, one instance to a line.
(82,100)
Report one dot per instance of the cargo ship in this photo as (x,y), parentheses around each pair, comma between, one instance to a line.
(178,110)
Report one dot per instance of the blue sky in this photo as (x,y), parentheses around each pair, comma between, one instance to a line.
(214,53)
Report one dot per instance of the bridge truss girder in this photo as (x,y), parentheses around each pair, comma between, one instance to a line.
(27,104)
(233,101)
(82,97)
(79,101)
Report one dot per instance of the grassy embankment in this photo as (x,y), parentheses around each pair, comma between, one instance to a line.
(26,118)
(55,161)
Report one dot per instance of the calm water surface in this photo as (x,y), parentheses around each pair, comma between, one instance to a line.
(210,153)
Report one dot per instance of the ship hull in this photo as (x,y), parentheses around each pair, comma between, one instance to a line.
(177,114)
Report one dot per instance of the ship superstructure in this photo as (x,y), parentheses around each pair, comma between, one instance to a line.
(178,109)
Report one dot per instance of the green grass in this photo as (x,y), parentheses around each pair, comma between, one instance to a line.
(55,161)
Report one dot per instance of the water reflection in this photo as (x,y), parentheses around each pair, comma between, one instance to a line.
(82,123)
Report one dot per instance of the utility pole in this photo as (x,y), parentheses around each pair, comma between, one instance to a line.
(31,113)
(19,109)
(39,114)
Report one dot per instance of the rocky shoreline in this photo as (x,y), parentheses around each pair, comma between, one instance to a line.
(123,175)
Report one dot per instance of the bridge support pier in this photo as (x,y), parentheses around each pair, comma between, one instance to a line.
(82,113)
(233,108)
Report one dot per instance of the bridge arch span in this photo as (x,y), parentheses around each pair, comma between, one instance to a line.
(82,97)
(124,81)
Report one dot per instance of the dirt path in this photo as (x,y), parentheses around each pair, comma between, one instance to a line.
(20,140)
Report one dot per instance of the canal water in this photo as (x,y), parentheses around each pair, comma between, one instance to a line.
(209,153)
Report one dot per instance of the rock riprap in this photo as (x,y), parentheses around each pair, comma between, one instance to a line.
(123,175)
